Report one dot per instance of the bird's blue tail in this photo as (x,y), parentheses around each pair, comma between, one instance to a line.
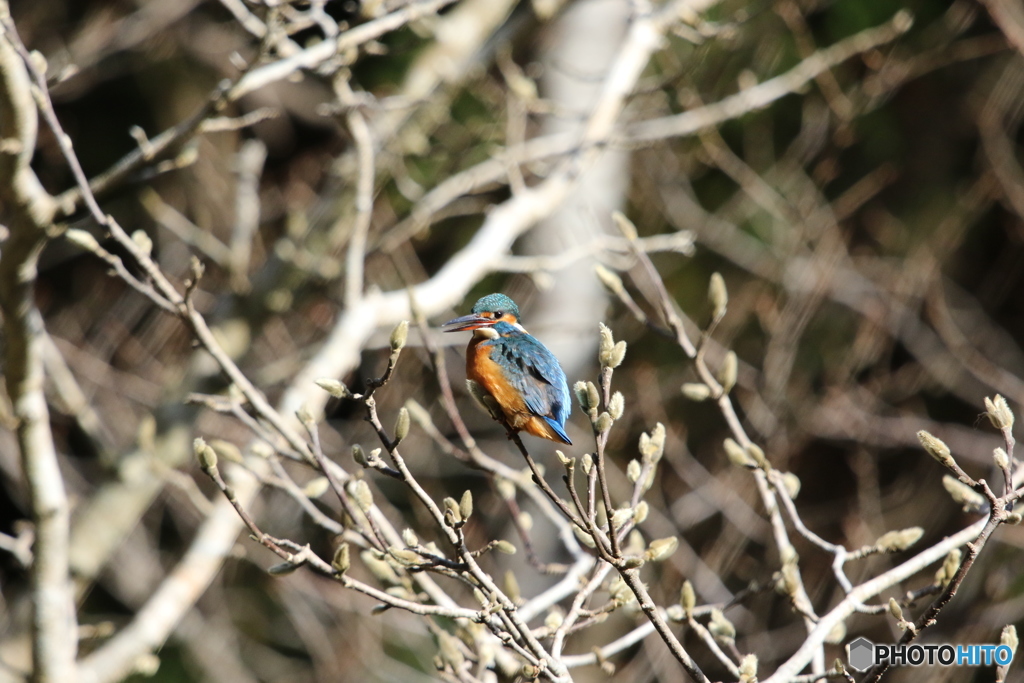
(558,429)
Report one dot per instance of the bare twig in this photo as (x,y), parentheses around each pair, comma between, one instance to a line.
(31,210)
(247,211)
(1010,18)
(362,136)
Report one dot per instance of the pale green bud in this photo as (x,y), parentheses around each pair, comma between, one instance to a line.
(728,372)
(963,494)
(999,413)
(511,586)
(894,541)
(696,391)
(383,571)
(226,450)
(1009,637)
(757,455)
(748,669)
(506,489)
(362,494)
(583,537)
(466,504)
(405,556)
(334,387)
(936,448)
(640,512)
(341,561)
(582,395)
(1001,458)
(399,335)
(83,239)
(625,226)
(790,579)
(718,295)
(620,516)
(143,241)
(675,613)
(606,345)
(792,484)
(736,454)
(452,514)
(616,405)
(505,547)
(607,668)
(617,355)
(529,672)
(261,449)
(619,591)
(720,627)
(687,598)
(662,548)
(949,567)
(652,446)
(316,487)
(146,433)
(402,425)
(305,417)
(633,470)
(593,397)
(206,455)
(611,281)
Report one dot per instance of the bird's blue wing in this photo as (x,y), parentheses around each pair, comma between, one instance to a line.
(549,398)
(534,372)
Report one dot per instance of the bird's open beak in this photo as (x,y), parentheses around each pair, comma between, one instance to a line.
(468,322)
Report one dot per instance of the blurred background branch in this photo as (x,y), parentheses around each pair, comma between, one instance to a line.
(29,224)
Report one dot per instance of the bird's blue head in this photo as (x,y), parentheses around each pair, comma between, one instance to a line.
(488,311)
(499,306)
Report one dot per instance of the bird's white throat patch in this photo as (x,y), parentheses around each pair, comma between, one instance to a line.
(486,333)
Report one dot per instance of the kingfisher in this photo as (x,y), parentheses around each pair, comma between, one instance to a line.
(519,373)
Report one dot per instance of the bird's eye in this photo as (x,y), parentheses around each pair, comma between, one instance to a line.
(498,314)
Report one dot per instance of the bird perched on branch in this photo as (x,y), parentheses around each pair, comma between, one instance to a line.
(515,376)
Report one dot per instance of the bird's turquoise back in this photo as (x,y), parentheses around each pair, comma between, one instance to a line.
(533,371)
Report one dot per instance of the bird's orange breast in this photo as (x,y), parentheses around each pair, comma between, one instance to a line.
(489,375)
